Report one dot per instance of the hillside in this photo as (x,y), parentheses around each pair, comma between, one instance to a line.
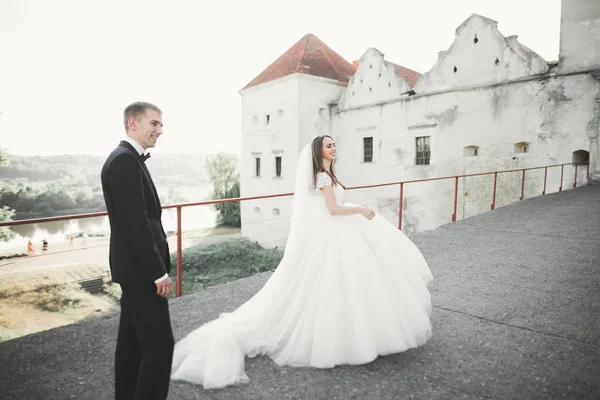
(43,186)
(76,168)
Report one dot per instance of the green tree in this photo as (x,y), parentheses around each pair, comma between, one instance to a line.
(6,213)
(223,173)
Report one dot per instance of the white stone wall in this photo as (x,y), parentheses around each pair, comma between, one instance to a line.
(480,54)
(375,81)
(579,35)
(315,97)
(486,104)
(279,100)
(551,115)
(580,51)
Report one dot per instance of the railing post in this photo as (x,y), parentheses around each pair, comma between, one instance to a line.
(400,208)
(178,284)
(575,183)
(587,171)
(545,177)
(494,196)
(522,186)
(562,170)
(455,198)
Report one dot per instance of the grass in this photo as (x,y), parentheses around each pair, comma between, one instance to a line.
(53,299)
(28,310)
(50,306)
(229,260)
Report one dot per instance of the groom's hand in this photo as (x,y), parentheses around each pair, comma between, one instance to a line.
(164,288)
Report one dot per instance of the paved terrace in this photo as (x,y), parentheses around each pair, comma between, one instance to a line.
(516,316)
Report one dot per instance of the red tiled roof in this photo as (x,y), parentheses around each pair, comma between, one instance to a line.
(308,56)
(410,75)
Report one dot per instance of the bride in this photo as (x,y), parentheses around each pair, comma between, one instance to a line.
(349,288)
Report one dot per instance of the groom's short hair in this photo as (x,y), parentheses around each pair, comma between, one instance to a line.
(137,110)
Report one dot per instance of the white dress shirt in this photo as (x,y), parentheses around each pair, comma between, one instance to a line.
(138,147)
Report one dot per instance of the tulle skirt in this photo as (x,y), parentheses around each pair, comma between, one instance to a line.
(355,289)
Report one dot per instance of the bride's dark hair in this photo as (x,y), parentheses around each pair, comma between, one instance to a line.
(317,157)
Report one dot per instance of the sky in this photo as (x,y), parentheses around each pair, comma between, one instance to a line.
(68,68)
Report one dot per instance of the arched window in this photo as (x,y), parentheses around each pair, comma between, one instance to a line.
(581,157)
(471,151)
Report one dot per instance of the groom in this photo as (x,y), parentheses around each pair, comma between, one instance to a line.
(139,261)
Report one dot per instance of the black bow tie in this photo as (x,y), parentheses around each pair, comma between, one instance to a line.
(144,157)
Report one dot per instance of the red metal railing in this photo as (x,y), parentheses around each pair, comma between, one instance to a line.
(455,177)
(402,184)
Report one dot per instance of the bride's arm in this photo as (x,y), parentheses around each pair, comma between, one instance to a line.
(336,209)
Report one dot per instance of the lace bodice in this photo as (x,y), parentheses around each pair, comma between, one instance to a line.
(324,180)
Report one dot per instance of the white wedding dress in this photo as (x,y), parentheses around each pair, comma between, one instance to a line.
(347,290)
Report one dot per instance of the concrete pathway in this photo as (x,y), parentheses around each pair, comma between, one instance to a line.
(516,316)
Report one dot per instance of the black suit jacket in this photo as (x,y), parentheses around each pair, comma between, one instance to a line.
(139,251)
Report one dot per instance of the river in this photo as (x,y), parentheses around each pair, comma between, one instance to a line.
(198,217)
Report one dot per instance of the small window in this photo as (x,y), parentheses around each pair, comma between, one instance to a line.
(423,150)
(278,166)
(368,149)
(257,210)
(522,147)
(276,211)
(267,119)
(254,120)
(257,166)
(581,157)
(279,113)
(471,151)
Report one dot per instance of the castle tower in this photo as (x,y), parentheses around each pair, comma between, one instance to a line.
(284,107)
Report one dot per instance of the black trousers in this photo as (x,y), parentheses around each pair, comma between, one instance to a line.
(145,343)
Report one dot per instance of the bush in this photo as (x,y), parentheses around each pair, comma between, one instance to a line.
(13,256)
(219,263)
(111,289)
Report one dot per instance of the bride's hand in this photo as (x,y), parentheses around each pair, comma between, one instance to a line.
(368,214)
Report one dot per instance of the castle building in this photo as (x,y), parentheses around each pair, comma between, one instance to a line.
(489,103)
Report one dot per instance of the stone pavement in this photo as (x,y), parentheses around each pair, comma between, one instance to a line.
(516,316)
